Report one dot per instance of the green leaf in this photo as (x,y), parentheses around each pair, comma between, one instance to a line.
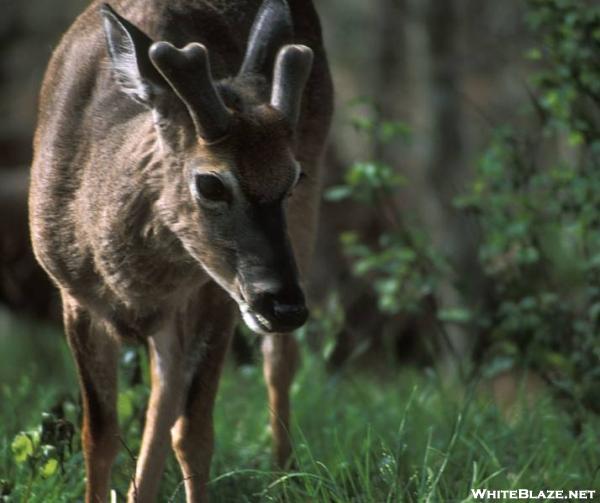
(338,193)
(556,361)
(125,406)
(498,365)
(455,315)
(576,138)
(392,130)
(49,468)
(349,238)
(365,124)
(22,447)
(534,54)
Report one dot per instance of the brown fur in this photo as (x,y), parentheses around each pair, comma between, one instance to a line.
(114,225)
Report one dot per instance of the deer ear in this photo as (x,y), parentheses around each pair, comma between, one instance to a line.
(272,29)
(128,50)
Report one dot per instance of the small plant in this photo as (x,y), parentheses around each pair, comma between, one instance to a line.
(402,266)
(6,489)
(42,449)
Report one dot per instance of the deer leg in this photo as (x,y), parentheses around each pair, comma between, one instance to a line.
(96,356)
(165,349)
(281,358)
(192,435)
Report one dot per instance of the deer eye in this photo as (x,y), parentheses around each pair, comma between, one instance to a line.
(211,188)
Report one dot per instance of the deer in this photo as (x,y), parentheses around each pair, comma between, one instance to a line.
(173,193)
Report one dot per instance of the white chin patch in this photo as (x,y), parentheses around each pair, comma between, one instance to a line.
(255,322)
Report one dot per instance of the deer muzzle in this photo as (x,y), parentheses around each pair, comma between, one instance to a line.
(275,312)
(273,301)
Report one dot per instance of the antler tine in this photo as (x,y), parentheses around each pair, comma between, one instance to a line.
(292,68)
(272,28)
(188,72)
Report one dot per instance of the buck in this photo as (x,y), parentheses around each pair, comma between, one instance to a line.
(161,197)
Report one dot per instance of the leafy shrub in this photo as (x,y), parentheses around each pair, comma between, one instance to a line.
(536,198)
(403,267)
(43,449)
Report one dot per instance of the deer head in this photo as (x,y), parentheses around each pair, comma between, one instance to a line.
(226,164)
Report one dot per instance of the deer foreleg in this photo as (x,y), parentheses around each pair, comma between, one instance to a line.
(165,350)
(192,435)
(96,356)
(281,359)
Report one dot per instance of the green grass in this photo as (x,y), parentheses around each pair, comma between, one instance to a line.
(397,436)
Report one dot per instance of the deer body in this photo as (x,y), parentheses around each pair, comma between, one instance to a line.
(162,196)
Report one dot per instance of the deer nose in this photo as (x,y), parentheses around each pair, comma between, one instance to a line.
(290,316)
(285,313)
